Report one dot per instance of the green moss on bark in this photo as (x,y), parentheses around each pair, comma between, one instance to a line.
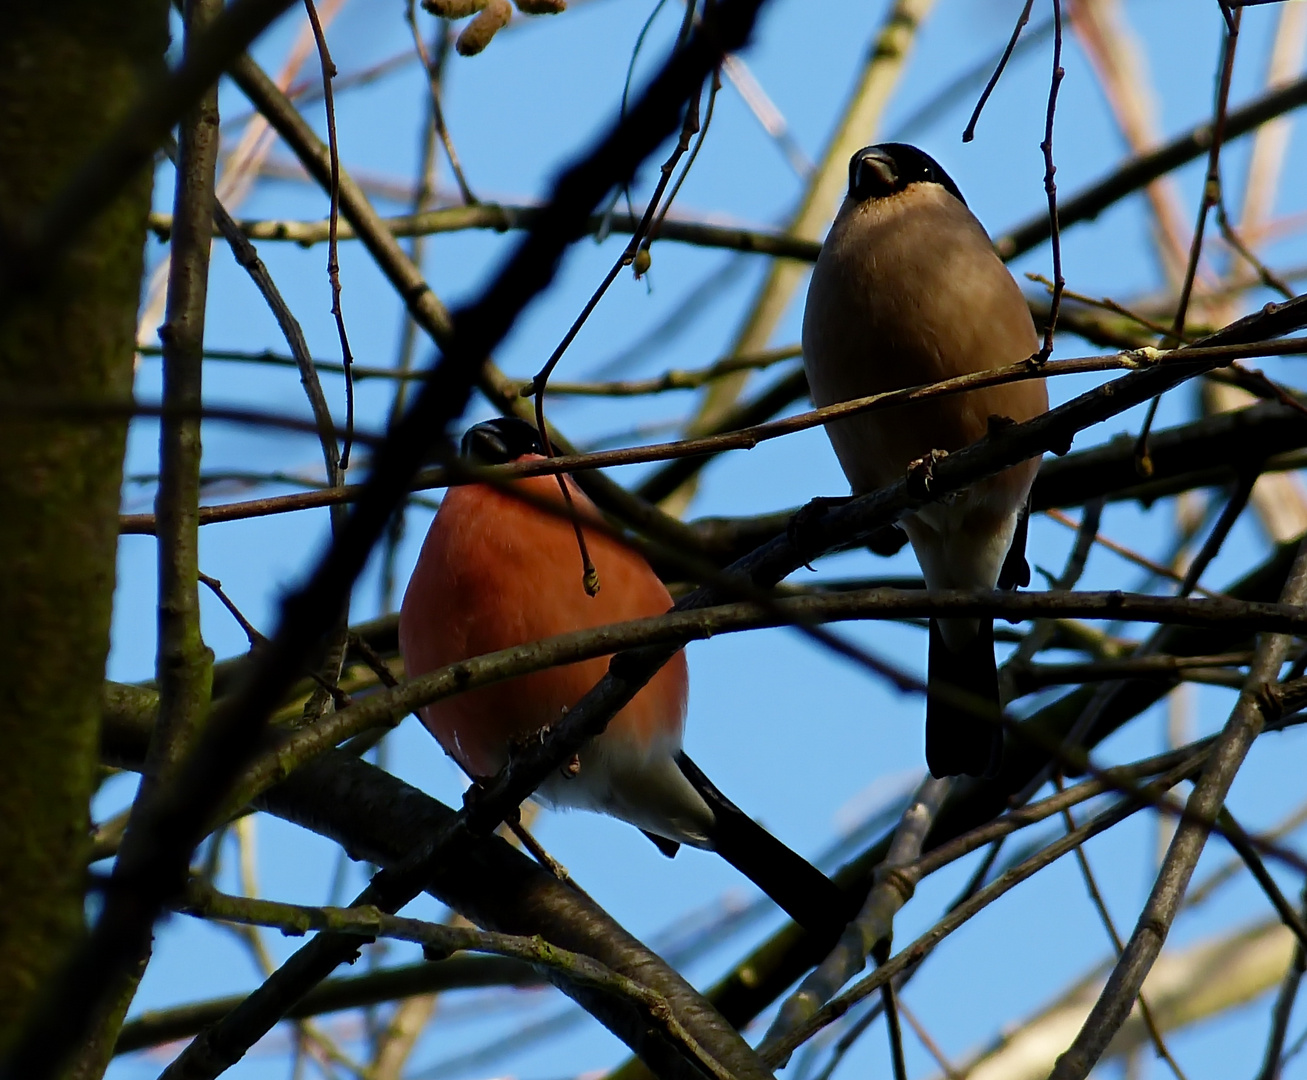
(67,71)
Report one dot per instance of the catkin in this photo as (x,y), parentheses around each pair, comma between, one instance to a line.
(476,35)
(453,9)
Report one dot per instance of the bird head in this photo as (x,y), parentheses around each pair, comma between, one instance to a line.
(876,172)
(497,442)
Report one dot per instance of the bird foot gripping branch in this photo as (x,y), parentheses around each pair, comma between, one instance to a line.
(800,528)
(921,472)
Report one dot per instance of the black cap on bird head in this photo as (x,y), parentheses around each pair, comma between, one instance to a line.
(878,171)
(497,442)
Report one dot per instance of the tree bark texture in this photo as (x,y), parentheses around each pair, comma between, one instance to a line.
(68,70)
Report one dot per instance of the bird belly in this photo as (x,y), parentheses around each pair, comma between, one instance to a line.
(641,785)
(961,544)
(496,574)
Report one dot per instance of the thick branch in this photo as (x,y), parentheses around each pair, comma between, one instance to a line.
(32,249)
(875,922)
(586,975)
(371,813)
(68,73)
(178,818)
(1139,172)
(184,664)
(388,707)
(778,962)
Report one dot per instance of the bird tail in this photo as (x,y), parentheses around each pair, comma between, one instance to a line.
(961,739)
(802,891)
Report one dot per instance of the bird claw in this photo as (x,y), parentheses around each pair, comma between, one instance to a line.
(995,423)
(571,768)
(921,473)
(800,527)
(886,541)
(472,797)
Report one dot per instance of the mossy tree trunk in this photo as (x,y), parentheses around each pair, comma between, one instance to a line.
(68,70)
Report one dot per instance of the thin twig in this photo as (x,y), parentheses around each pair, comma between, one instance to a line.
(673,379)
(440,940)
(333,458)
(333,260)
(1050,189)
(741,439)
(248,258)
(347,992)
(1272,388)
(874,923)
(1234,834)
(689,125)
(1211,195)
(497,217)
(767,114)
(969,132)
(1141,170)
(890,1007)
(927,942)
(1274,1057)
(1130,555)
(932,1047)
(1265,274)
(1027,677)
(1105,916)
(1207,798)
(1212,181)
(251,633)
(655,229)
(432,72)
(258,640)
(1107,304)
(1212,545)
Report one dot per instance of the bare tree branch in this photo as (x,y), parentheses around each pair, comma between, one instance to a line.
(177,819)
(1208,795)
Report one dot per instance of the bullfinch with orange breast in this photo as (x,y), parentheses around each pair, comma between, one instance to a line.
(907,290)
(495,572)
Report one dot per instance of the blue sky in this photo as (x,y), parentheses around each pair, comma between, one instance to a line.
(794,735)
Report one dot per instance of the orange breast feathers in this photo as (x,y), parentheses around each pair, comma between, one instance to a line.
(495,572)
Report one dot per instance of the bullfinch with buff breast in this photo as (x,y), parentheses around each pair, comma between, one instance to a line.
(496,571)
(907,290)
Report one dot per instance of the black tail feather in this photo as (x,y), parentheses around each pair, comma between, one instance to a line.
(957,739)
(668,848)
(802,891)
(1015,571)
